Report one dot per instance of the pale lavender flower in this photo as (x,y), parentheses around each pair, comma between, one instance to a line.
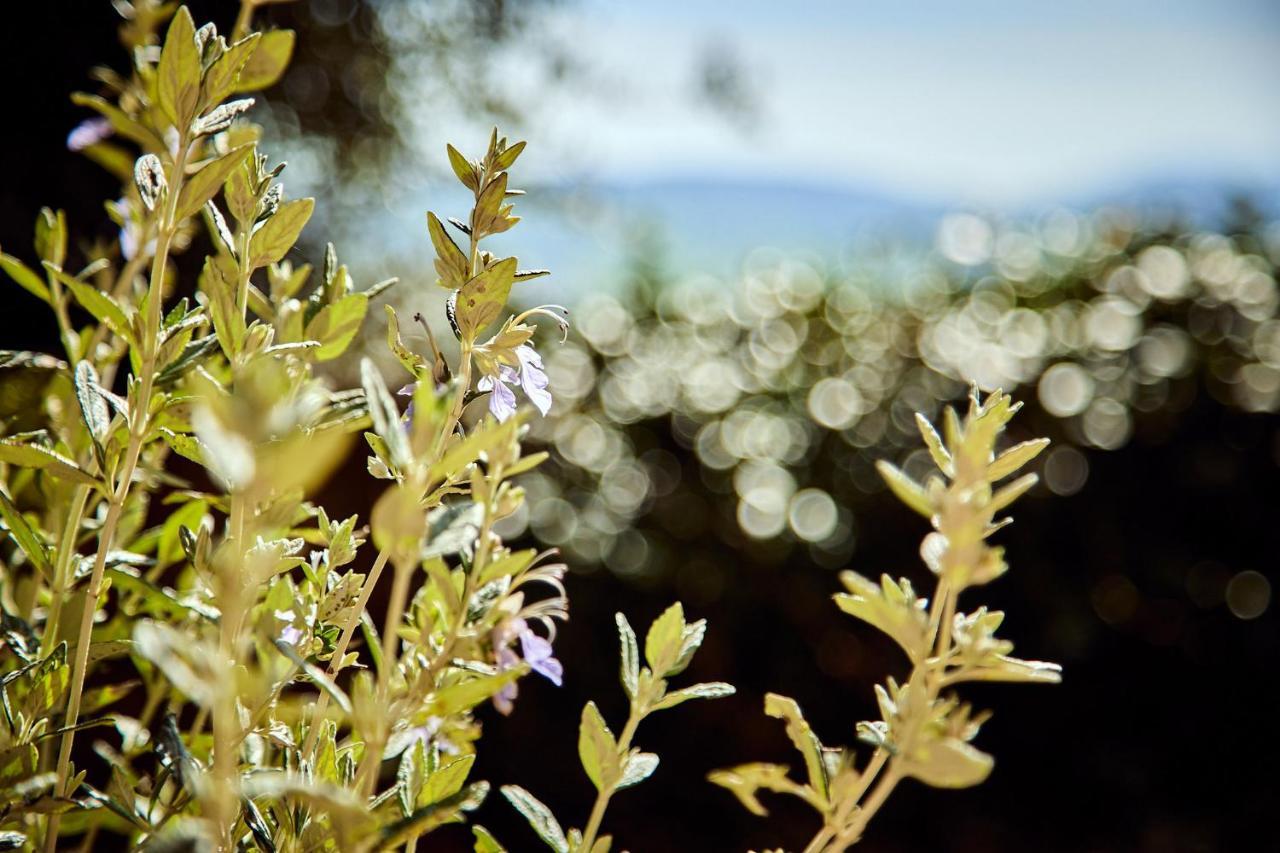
(530,377)
(91,131)
(429,733)
(288,634)
(536,651)
(539,655)
(408,391)
(128,243)
(505,698)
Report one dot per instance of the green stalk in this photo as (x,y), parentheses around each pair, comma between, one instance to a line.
(639,709)
(139,426)
(340,650)
(62,569)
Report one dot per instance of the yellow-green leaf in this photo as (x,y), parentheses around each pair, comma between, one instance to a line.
(220,80)
(35,456)
(277,235)
(335,326)
(204,184)
(25,536)
(597,748)
(22,274)
(178,74)
(481,300)
(96,302)
(268,62)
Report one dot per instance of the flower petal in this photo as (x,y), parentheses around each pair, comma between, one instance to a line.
(538,654)
(502,401)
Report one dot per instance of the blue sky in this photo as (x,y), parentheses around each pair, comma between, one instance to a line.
(897,109)
(984,102)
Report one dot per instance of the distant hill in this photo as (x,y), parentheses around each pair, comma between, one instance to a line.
(586,233)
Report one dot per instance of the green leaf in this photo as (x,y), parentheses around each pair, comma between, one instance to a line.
(25,536)
(51,236)
(26,279)
(908,490)
(96,302)
(178,74)
(747,780)
(447,780)
(384,413)
(93,406)
(414,363)
(257,825)
(462,454)
(630,655)
(933,441)
(318,676)
(890,606)
(242,199)
(468,694)
(1015,457)
(802,736)
(948,762)
(452,527)
(228,322)
(425,819)
(120,122)
(507,158)
(707,690)
(489,206)
(155,601)
(221,78)
(185,445)
(539,816)
(190,356)
(481,300)
(485,842)
(597,748)
(662,643)
(336,325)
(37,456)
(268,62)
(638,767)
(690,641)
(187,664)
(1012,492)
(277,235)
(204,184)
(466,171)
(451,264)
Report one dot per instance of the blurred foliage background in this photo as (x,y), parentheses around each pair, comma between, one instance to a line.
(714,434)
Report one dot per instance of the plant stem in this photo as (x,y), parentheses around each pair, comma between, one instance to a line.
(367,772)
(846,825)
(243,19)
(639,709)
(340,650)
(62,568)
(851,833)
(138,428)
(65,331)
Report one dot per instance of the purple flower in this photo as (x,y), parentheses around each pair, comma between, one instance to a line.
(291,635)
(408,391)
(91,131)
(529,375)
(429,734)
(538,654)
(503,700)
